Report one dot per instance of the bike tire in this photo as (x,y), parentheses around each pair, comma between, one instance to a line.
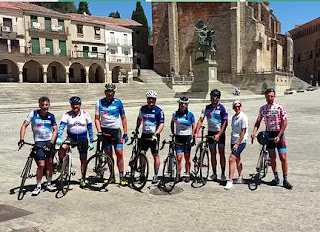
(65,175)
(196,160)
(170,173)
(24,175)
(139,172)
(260,163)
(98,171)
(265,164)
(204,166)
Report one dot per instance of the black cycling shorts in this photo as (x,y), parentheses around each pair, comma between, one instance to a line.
(82,146)
(146,144)
(221,142)
(281,146)
(183,143)
(116,140)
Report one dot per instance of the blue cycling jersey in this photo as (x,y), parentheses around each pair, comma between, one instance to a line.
(42,127)
(110,112)
(215,116)
(151,118)
(183,122)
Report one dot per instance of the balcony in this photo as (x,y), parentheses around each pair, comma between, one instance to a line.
(88,55)
(119,59)
(55,29)
(13,49)
(126,43)
(8,32)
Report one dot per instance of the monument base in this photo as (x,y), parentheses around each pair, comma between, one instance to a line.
(206,76)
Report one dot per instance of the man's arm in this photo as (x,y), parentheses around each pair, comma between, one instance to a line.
(97,122)
(54,134)
(199,124)
(160,128)
(124,124)
(138,123)
(283,128)
(22,133)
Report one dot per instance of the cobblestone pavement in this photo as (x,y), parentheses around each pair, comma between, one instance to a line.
(210,208)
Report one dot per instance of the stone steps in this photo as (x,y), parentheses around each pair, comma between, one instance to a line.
(298,84)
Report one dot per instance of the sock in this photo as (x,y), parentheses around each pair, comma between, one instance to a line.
(276,177)
(156,173)
(223,170)
(214,170)
(121,175)
(39,183)
(49,180)
(285,177)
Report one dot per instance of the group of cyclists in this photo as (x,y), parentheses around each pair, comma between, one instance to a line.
(110,117)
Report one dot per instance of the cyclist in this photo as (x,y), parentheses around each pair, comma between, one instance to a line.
(275,117)
(183,127)
(152,119)
(44,129)
(239,136)
(217,118)
(109,111)
(79,125)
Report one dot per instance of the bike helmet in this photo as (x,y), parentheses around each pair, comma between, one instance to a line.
(110,87)
(215,93)
(270,90)
(75,100)
(184,100)
(151,94)
(263,138)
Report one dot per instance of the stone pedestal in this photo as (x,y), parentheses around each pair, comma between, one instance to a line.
(205,76)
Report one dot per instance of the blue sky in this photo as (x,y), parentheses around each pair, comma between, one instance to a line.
(289,13)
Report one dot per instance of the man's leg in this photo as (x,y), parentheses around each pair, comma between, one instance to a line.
(179,159)
(273,157)
(213,152)
(120,162)
(222,162)
(284,162)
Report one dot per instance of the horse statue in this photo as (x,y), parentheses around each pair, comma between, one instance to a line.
(205,43)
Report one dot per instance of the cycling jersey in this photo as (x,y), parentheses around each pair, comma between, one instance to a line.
(42,127)
(110,112)
(215,117)
(151,118)
(78,126)
(274,115)
(183,122)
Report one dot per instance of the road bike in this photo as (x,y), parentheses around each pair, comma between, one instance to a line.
(139,165)
(201,160)
(170,168)
(26,172)
(263,161)
(99,169)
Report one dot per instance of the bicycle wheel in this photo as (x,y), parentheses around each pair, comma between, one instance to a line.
(265,163)
(98,171)
(196,160)
(259,167)
(204,166)
(65,175)
(170,173)
(139,171)
(24,175)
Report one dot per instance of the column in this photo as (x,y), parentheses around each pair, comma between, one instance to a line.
(45,79)
(87,77)
(67,77)
(20,76)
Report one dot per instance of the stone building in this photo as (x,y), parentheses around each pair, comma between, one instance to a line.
(41,45)
(250,50)
(306,47)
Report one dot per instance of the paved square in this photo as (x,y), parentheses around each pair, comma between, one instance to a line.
(210,208)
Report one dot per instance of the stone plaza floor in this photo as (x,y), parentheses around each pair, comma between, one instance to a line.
(210,208)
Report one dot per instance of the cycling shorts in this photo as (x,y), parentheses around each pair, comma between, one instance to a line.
(145,144)
(238,152)
(116,139)
(221,142)
(82,146)
(41,154)
(183,143)
(281,146)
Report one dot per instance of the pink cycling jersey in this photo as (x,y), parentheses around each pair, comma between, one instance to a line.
(274,115)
